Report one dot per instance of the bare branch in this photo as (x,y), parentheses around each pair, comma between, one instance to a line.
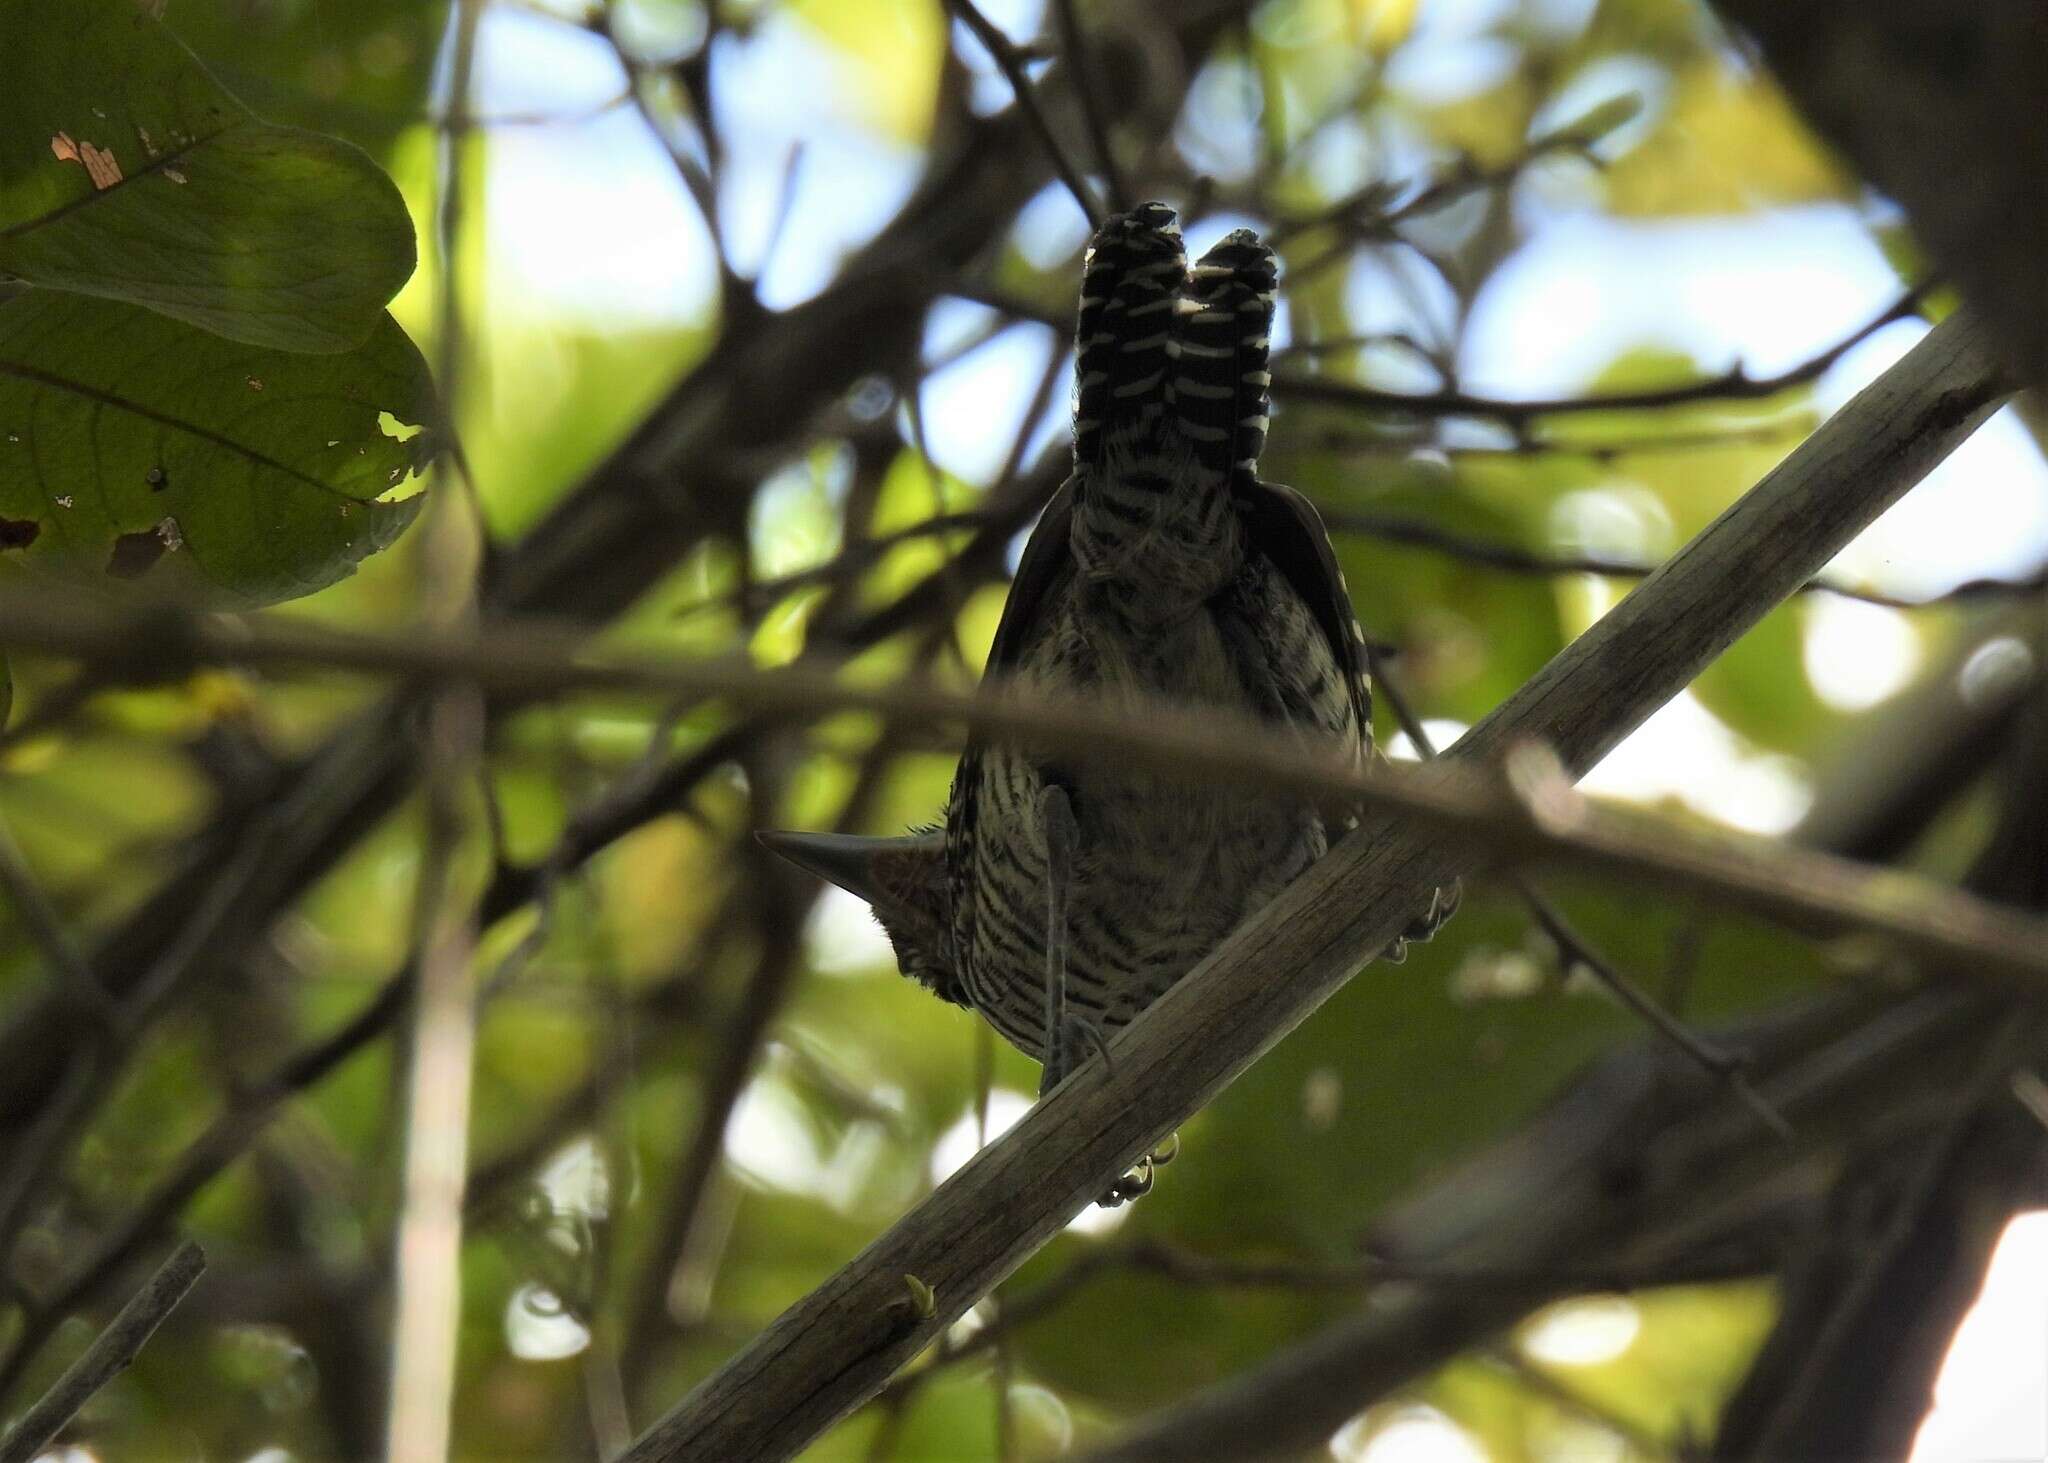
(1575,949)
(73,972)
(1085,81)
(108,1356)
(1735,384)
(1516,560)
(1011,64)
(1539,820)
(1575,1184)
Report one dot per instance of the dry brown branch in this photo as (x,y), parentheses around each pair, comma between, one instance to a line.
(837,1346)
(1535,817)
(1732,385)
(1011,63)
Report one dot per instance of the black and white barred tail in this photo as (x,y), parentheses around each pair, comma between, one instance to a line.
(1219,382)
(1130,280)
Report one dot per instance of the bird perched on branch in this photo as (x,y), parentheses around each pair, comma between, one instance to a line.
(1059,901)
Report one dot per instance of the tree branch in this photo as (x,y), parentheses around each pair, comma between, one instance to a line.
(1535,817)
(1732,385)
(1640,1159)
(1513,559)
(838,1345)
(1011,64)
(108,1356)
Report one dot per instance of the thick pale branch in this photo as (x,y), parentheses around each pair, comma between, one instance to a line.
(838,1345)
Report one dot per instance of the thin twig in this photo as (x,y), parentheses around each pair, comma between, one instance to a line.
(1548,1385)
(1971,938)
(1073,45)
(1149,1255)
(698,181)
(73,971)
(108,1356)
(1575,949)
(1011,64)
(1735,384)
(1784,430)
(777,911)
(1514,560)
(92,1068)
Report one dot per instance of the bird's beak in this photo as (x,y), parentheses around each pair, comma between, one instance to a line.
(841,858)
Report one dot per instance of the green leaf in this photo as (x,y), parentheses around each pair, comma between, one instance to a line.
(127,171)
(361,71)
(133,445)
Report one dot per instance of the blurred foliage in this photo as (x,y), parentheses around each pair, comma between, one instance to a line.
(606,1016)
(284,498)
(204,391)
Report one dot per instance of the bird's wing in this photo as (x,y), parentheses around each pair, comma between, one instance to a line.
(1047,564)
(1285,527)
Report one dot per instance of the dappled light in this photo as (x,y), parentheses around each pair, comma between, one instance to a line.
(468,468)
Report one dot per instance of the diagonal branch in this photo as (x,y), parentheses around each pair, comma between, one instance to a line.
(1735,384)
(1011,63)
(107,1357)
(837,1346)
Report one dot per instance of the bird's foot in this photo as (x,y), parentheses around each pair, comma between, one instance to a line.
(1137,1182)
(1443,903)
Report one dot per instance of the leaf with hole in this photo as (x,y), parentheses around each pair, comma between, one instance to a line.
(136,448)
(128,172)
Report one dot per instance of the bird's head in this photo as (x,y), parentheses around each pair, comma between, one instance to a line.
(904,882)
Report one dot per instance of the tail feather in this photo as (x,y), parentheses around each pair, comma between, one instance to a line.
(1133,273)
(1219,385)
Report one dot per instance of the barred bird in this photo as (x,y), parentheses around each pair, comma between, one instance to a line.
(1059,901)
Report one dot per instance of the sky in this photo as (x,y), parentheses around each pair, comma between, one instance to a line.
(586,221)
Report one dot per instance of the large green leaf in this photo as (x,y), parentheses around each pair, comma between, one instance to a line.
(127,171)
(131,444)
(360,70)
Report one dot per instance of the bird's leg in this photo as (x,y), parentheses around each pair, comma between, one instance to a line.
(1064,1031)
(1443,903)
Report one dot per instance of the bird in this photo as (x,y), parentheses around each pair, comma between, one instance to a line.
(1059,899)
